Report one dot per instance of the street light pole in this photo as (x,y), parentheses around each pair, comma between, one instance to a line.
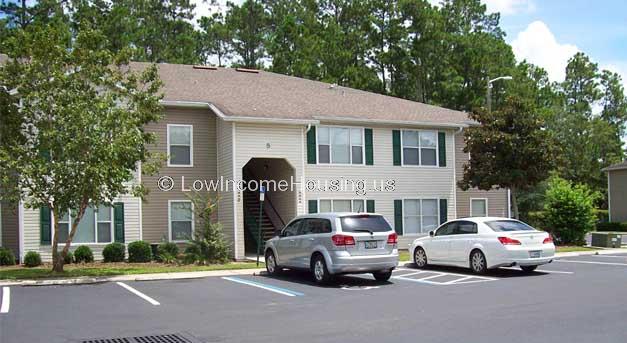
(489,95)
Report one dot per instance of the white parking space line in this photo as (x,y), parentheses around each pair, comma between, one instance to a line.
(6,300)
(593,262)
(613,256)
(139,294)
(429,278)
(279,290)
(541,270)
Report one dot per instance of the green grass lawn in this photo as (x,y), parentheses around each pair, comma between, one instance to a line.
(403,256)
(573,248)
(112,269)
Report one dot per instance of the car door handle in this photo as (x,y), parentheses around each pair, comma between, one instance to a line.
(292,240)
(312,239)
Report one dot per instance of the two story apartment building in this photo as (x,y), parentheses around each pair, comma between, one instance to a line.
(333,148)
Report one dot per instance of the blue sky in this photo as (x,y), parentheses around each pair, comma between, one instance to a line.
(548,32)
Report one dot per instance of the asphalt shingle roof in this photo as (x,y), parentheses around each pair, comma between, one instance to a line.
(270,95)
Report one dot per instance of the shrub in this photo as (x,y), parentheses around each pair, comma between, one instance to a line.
(612,226)
(536,219)
(569,211)
(139,251)
(167,249)
(32,259)
(113,252)
(6,257)
(83,254)
(207,239)
(192,254)
(69,258)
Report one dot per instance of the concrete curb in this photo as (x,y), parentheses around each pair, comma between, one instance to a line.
(211,273)
(131,277)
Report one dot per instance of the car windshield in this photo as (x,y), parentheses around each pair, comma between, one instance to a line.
(509,225)
(365,223)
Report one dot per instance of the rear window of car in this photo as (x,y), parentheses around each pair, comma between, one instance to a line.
(365,223)
(508,225)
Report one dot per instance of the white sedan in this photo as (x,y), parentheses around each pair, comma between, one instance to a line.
(484,243)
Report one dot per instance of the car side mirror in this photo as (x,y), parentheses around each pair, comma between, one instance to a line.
(431,233)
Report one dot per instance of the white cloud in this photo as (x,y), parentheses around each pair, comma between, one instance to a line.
(538,45)
(509,7)
(505,7)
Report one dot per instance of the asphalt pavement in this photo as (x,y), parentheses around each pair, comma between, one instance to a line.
(576,299)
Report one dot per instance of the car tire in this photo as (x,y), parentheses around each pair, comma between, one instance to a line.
(271,265)
(319,270)
(528,269)
(382,275)
(420,257)
(478,263)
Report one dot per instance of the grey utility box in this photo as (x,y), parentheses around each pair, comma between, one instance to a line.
(606,239)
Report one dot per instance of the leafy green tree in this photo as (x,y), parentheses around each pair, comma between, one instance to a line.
(613,101)
(510,149)
(208,244)
(248,26)
(569,210)
(73,126)
(216,39)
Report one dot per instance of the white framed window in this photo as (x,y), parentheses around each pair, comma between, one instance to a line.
(420,148)
(341,205)
(180,220)
(95,227)
(340,145)
(420,215)
(478,207)
(180,145)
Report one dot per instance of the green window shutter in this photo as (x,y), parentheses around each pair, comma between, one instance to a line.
(313,206)
(369,148)
(396,147)
(370,206)
(442,148)
(45,226)
(118,222)
(311,145)
(443,211)
(398,216)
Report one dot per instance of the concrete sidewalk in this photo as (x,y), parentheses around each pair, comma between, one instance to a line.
(196,275)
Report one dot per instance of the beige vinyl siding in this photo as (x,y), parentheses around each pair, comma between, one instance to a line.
(32,230)
(267,141)
(10,227)
(497,198)
(155,208)
(618,195)
(225,170)
(410,181)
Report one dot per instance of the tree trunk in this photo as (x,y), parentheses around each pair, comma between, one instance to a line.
(57,262)
(514,203)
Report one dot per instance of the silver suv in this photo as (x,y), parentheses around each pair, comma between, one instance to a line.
(328,244)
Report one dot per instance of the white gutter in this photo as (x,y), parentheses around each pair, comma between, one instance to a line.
(394,122)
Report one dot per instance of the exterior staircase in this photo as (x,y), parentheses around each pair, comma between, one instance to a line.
(251,219)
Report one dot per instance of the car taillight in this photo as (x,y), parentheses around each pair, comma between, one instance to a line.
(548,240)
(393,238)
(508,241)
(342,240)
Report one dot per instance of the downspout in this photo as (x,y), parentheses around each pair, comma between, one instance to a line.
(459,130)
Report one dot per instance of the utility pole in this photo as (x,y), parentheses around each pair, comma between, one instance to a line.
(489,95)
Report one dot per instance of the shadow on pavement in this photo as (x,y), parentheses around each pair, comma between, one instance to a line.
(499,272)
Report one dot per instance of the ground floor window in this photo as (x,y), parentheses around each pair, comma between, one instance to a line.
(96,226)
(181,223)
(342,205)
(420,215)
(478,207)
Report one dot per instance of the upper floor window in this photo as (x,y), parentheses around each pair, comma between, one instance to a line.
(342,205)
(420,148)
(478,207)
(180,145)
(340,145)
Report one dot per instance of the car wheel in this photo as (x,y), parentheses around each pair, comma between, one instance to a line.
(478,263)
(271,266)
(420,257)
(528,269)
(319,270)
(382,275)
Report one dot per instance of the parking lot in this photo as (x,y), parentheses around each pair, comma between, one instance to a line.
(576,299)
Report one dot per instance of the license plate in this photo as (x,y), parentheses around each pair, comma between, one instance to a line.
(535,254)
(371,244)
